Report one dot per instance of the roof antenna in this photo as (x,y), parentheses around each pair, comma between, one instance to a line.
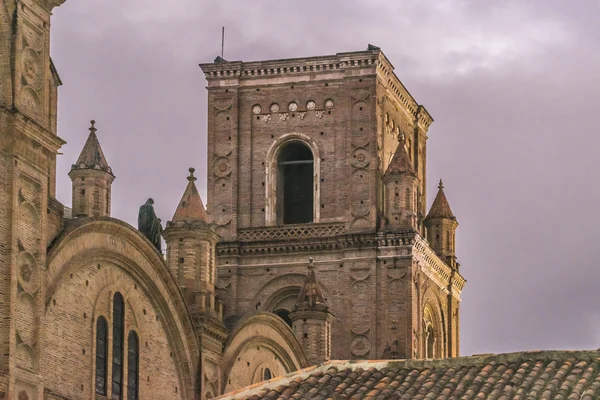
(223,42)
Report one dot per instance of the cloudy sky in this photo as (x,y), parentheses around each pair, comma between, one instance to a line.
(513,86)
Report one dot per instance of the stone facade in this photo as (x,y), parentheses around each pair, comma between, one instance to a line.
(341,120)
(320,157)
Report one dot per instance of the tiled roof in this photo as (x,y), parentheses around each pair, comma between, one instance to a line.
(440,207)
(190,207)
(530,375)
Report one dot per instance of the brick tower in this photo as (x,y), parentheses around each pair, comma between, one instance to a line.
(306,157)
(30,216)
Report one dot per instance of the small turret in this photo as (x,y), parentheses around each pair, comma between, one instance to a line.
(191,242)
(441,227)
(92,179)
(401,186)
(311,320)
(191,245)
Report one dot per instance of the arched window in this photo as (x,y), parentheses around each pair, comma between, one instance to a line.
(117,349)
(133,360)
(101,355)
(267,374)
(295,192)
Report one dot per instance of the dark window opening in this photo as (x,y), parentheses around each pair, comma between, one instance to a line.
(117,354)
(295,192)
(267,374)
(133,358)
(284,315)
(101,355)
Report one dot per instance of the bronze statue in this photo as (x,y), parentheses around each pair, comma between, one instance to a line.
(149,224)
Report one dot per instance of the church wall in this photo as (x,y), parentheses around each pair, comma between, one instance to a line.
(69,338)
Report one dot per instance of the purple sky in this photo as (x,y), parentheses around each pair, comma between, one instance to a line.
(513,87)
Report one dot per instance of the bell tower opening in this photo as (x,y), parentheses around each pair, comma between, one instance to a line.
(295,174)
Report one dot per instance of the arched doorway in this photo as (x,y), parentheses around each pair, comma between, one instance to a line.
(295,175)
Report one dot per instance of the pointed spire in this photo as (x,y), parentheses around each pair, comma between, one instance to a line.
(400,163)
(311,295)
(91,156)
(440,207)
(190,207)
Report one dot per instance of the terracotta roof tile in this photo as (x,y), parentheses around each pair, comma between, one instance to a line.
(546,375)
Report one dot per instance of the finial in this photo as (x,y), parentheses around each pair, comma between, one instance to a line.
(310,263)
(191,178)
(441,185)
(92,127)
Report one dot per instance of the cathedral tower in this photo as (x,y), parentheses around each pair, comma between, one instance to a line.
(310,157)
(311,320)
(30,216)
(92,180)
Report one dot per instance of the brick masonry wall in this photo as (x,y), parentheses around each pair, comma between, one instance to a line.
(68,358)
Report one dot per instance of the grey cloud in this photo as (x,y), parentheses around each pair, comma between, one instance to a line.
(512,86)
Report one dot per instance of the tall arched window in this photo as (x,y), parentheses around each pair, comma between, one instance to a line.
(429,342)
(101,355)
(295,192)
(133,360)
(117,349)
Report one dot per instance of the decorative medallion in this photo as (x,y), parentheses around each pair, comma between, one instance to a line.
(319,114)
(301,115)
(265,117)
(283,116)
(256,109)
(329,104)
(360,345)
(274,107)
(293,106)
(311,105)
(360,158)
(221,167)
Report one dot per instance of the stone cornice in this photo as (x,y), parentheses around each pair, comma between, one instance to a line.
(316,243)
(291,66)
(432,265)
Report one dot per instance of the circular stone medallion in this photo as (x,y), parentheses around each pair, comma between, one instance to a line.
(256,109)
(293,106)
(310,105)
(329,103)
(274,107)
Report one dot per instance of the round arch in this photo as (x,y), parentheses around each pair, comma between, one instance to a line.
(106,240)
(433,324)
(269,341)
(280,291)
(271,174)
